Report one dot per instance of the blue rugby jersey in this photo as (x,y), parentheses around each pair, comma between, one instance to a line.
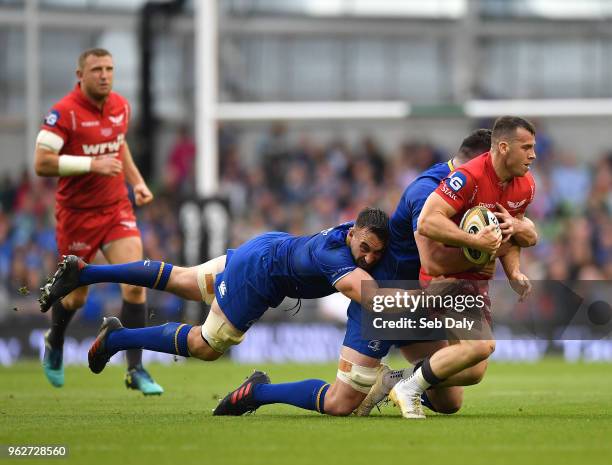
(404,220)
(308,267)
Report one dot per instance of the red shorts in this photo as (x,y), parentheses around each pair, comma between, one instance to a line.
(466,287)
(83,232)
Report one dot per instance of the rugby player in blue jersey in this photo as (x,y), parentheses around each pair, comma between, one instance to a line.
(359,365)
(240,287)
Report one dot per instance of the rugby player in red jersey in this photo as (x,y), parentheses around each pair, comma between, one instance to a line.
(498,179)
(83,141)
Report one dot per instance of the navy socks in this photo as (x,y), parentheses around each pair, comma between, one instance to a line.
(170,338)
(147,273)
(308,394)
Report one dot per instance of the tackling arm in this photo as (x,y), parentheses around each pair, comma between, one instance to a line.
(350,286)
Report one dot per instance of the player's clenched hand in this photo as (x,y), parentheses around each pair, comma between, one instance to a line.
(106,166)
(142,194)
(520,284)
(488,240)
(506,222)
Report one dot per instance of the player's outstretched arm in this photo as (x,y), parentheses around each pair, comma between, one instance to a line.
(436,224)
(351,285)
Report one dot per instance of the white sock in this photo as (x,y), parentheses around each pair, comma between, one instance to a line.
(416,382)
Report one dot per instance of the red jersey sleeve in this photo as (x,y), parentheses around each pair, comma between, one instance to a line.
(457,189)
(58,122)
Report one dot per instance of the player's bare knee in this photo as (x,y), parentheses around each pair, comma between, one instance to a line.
(133,294)
(480,350)
(198,347)
(338,403)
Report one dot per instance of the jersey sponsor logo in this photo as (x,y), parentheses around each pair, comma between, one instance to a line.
(488,205)
(90,124)
(448,192)
(515,205)
(106,132)
(105,147)
(222,289)
(117,120)
(52,118)
(456,181)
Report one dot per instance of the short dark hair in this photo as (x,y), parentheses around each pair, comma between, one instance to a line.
(374,220)
(97,52)
(479,141)
(506,126)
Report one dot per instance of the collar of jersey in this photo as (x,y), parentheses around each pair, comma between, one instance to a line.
(85,101)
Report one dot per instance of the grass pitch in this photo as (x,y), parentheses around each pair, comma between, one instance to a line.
(545,413)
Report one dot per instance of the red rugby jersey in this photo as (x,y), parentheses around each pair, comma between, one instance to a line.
(90,132)
(476,183)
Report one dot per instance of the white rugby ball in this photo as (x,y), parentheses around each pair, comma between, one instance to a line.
(475,220)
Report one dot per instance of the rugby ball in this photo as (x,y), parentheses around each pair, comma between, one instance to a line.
(475,220)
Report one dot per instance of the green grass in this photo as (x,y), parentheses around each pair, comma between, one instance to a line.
(545,413)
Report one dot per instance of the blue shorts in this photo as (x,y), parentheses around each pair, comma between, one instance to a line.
(245,289)
(388,269)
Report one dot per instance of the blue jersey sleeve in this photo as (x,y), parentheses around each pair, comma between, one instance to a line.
(421,190)
(334,262)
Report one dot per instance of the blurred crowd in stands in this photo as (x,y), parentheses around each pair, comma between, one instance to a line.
(301,185)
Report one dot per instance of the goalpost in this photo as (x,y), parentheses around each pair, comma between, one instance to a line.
(209,111)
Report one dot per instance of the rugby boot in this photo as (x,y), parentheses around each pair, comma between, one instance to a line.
(385,380)
(241,400)
(98,356)
(408,399)
(139,379)
(64,281)
(53,363)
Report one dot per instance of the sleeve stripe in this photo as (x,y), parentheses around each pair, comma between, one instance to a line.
(342,276)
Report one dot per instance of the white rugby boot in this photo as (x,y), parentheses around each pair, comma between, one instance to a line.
(406,394)
(385,380)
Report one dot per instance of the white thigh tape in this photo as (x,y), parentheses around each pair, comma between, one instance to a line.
(359,378)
